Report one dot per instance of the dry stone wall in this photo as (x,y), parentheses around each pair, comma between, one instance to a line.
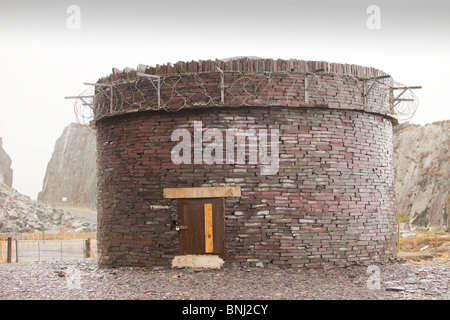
(331,200)
(244,82)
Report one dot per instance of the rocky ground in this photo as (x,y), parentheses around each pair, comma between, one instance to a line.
(83,280)
(19,214)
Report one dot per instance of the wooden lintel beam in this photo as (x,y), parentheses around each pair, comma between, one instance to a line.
(201,192)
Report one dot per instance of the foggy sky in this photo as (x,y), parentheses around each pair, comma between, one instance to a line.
(43,61)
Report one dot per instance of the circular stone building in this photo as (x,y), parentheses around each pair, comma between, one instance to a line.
(283,162)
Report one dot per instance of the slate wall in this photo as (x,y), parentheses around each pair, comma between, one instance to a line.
(331,201)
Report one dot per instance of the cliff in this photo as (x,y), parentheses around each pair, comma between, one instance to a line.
(6,173)
(422,168)
(71,172)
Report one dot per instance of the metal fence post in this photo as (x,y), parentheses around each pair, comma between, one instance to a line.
(17,250)
(9,250)
(435,246)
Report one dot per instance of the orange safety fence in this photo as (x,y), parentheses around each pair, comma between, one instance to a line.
(425,241)
(3,252)
(52,236)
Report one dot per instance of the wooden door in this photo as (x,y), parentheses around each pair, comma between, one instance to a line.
(201,226)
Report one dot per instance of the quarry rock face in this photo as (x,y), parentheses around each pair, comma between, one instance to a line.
(6,173)
(19,214)
(71,172)
(422,174)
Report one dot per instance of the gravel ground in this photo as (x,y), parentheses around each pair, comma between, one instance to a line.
(83,280)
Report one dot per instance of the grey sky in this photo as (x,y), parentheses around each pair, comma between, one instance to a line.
(43,61)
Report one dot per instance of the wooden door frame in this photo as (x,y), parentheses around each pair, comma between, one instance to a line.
(204,193)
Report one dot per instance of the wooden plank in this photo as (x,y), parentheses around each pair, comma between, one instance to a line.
(201,192)
(191,239)
(196,228)
(219,225)
(9,250)
(183,239)
(209,246)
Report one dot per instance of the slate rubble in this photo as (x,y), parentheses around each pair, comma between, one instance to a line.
(49,281)
(20,214)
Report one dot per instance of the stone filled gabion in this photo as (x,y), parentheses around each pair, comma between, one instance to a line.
(331,201)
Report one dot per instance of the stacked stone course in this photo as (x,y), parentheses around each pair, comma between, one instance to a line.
(331,202)
(248,82)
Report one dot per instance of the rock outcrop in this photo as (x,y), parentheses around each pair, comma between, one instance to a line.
(6,173)
(18,214)
(422,174)
(71,172)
